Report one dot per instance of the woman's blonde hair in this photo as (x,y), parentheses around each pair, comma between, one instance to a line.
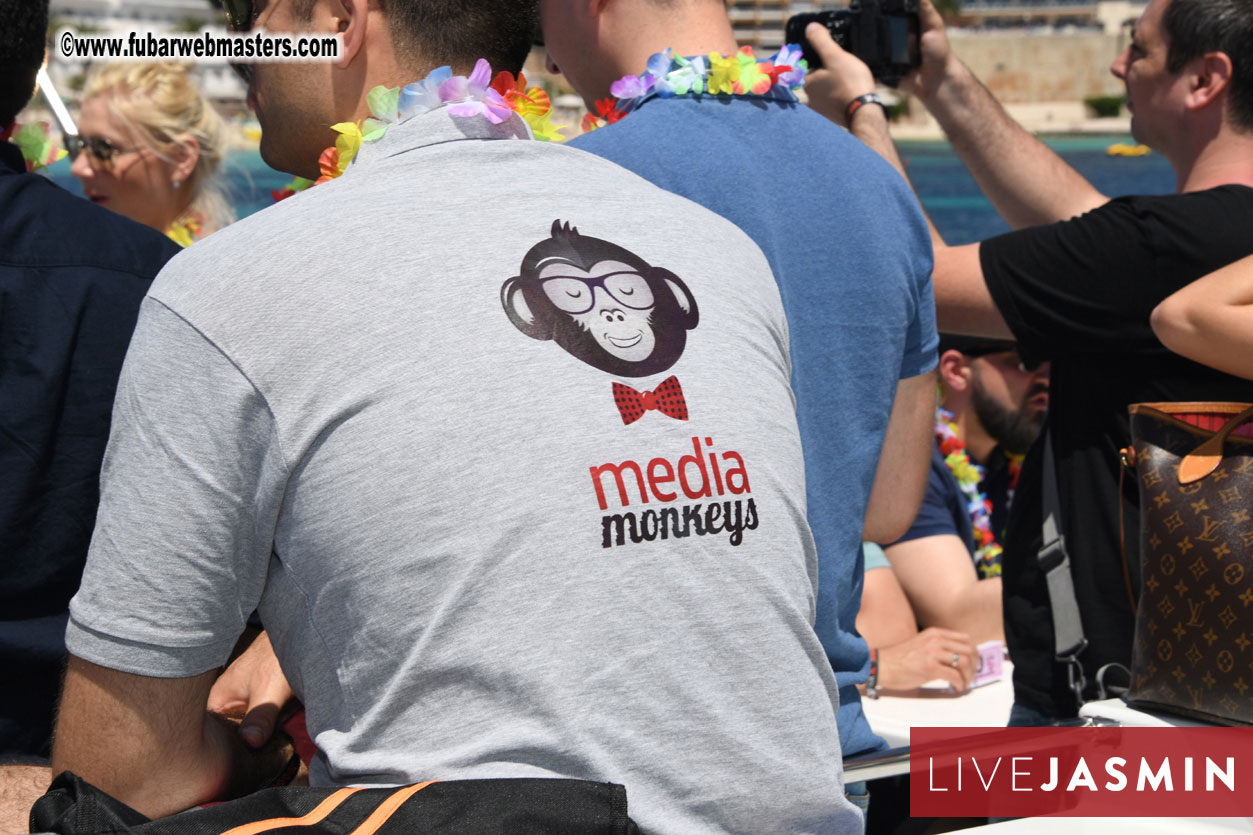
(163,103)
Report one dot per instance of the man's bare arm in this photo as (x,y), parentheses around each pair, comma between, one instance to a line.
(885,617)
(1025,181)
(150,743)
(901,476)
(940,581)
(20,787)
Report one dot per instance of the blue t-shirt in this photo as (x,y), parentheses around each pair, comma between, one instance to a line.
(71,279)
(943,508)
(852,256)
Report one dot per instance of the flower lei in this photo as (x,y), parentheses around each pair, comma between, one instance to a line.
(498,98)
(671,75)
(969,476)
(35,142)
(479,95)
(186,230)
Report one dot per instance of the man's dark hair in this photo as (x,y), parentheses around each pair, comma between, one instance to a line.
(1196,27)
(459,32)
(23,31)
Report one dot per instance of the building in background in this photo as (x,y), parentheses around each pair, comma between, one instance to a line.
(124,15)
(760,23)
(1108,16)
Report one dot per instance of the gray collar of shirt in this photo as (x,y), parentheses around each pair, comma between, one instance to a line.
(436,127)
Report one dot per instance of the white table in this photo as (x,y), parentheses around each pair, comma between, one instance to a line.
(891,717)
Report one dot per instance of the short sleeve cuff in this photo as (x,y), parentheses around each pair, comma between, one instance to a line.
(922,530)
(874,556)
(990,260)
(144,659)
(921,362)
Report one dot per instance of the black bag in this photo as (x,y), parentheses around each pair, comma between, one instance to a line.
(73,806)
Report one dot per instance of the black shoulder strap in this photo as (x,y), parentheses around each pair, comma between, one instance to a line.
(1068,639)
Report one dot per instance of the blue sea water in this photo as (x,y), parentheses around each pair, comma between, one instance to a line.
(947,190)
(963,215)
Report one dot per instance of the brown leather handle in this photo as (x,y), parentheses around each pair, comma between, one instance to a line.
(1203,460)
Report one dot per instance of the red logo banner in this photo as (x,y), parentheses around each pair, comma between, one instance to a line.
(1089,772)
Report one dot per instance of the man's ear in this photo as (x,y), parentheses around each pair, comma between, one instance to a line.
(349,17)
(955,371)
(1211,74)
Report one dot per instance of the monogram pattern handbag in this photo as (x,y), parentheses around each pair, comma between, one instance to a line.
(1193,652)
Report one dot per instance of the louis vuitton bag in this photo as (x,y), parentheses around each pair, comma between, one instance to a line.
(1193,652)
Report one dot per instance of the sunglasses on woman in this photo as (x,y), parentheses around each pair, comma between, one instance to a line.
(100,148)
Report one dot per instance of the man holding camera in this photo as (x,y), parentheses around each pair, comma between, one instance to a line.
(849,251)
(1075,284)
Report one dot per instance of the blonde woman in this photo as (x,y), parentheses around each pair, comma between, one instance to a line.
(149,148)
(1211,320)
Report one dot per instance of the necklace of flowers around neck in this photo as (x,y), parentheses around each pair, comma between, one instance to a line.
(668,75)
(34,140)
(477,96)
(186,230)
(969,476)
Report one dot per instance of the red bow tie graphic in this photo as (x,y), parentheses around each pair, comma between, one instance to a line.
(667,399)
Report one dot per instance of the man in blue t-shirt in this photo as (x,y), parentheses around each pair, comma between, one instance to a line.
(850,252)
(949,562)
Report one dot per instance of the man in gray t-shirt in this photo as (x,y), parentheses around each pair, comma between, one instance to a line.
(498,440)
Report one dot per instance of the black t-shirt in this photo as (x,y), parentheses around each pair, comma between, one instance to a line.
(1079,293)
(71,279)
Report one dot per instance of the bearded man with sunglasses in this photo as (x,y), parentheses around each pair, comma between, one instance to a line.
(949,562)
(496,437)
(71,279)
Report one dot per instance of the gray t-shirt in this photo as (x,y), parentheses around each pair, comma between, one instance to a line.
(423,418)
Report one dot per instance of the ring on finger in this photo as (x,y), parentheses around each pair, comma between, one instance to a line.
(956,659)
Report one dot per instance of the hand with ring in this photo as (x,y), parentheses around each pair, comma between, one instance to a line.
(933,653)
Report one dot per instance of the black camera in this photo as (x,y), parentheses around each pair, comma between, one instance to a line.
(882,33)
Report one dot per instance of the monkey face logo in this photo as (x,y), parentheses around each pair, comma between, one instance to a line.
(602,303)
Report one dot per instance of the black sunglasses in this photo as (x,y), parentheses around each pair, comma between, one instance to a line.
(239,14)
(99,147)
(1004,348)
(239,17)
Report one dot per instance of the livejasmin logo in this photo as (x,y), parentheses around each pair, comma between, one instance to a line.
(1091,772)
(1023,771)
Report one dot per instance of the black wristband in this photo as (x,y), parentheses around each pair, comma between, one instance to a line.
(872,682)
(857,104)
